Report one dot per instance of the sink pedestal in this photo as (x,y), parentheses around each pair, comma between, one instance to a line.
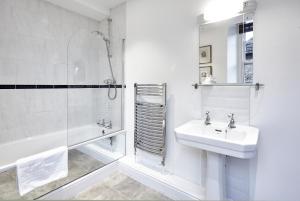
(215,179)
(219,141)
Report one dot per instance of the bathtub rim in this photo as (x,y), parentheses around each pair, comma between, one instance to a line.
(120,132)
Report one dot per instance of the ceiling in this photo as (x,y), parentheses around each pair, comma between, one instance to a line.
(105,3)
(95,9)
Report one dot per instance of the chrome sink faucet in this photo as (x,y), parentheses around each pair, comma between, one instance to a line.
(207,119)
(231,123)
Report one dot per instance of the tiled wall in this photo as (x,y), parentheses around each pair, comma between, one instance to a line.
(221,101)
(27,113)
(43,44)
(111,110)
(33,41)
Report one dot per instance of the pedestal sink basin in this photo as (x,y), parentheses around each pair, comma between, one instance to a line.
(238,142)
(219,141)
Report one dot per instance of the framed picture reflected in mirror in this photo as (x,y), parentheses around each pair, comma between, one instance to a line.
(205,72)
(205,54)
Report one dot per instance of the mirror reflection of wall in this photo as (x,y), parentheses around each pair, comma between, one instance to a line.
(231,43)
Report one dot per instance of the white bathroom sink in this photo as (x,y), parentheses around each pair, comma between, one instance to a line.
(240,142)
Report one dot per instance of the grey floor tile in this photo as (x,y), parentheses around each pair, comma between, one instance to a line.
(130,188)
(114,179)
(110,194)
(150,194)
(120,187)
(92,192)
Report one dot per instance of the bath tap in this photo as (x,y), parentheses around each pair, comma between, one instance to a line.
(109,126)
(231,123)
(102,123)
(207,119)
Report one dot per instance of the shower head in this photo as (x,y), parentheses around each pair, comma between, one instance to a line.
(99,33)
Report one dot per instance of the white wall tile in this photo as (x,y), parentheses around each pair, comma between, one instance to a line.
(107,109)
(221,101)
(8,71)
(33,50)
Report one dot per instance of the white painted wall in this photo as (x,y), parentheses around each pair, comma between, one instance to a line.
(162,47)
(276,51)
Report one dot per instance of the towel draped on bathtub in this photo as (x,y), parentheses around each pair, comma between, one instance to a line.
(40,169)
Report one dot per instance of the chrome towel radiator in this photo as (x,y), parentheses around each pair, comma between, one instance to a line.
(150,118)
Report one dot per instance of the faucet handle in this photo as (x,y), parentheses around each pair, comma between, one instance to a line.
(101,122)
(231,115)
(231,121)
(207,118)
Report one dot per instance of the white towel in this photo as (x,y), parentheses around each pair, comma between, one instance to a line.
(41,169)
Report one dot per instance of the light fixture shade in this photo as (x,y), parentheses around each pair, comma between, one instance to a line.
(218,10)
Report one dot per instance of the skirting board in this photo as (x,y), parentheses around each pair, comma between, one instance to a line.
(159,183)
(169,185)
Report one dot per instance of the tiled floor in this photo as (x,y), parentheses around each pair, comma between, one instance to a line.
(79,165)
(116,187)
(120,187)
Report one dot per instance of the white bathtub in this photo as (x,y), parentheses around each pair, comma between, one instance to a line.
(12,151)
(85,133)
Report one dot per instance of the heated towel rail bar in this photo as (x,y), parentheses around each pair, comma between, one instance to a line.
(150,118)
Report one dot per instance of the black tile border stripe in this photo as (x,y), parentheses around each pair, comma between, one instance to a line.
(20,86)
(7,86)
(26,86)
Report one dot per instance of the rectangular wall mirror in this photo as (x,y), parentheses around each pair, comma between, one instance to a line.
(226,51)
